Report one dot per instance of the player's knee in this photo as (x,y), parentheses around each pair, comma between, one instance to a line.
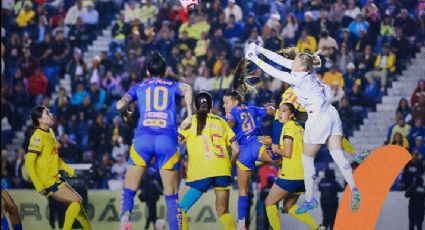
(78,199)
(221,210)
(268,201)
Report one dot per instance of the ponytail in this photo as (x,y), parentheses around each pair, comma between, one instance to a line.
(202,115)
(203,104)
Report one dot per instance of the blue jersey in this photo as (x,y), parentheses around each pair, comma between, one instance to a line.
(157,106)
(248,121)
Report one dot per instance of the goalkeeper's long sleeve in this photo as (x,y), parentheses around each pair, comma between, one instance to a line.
(30,165)
(277,58)
(281,75)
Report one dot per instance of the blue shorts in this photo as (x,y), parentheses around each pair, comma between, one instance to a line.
(250,151)
(163,147)
(296,186)
(218,182)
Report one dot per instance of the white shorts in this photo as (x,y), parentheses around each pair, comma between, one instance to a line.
(321,125)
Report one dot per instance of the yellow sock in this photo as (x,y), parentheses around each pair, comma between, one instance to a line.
(70,215)
(273,216)
(185,224)
(347,147)
(305,217)
(227,221)
(84,221)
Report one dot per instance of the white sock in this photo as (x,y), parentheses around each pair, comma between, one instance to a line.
(345,167)
(241,224)
(309,176)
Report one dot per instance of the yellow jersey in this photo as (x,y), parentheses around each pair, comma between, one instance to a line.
(290,97)
(292,168)
(44,144)
(208,155)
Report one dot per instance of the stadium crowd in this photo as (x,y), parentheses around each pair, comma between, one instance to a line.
(364,44)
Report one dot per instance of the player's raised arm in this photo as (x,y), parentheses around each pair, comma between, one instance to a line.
(270,70)
(70,171)
(277,58)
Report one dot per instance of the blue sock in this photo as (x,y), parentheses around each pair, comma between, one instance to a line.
(4,224)
(242,207)
(192,195)
(172,211)
(17,227)
(127,204)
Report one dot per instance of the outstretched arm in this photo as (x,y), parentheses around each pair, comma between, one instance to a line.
(270,70)
(186,90)
(277,58)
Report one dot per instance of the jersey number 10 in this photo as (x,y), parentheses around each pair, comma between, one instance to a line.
(156,105)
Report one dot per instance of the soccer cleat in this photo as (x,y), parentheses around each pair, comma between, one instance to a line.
(355,200)
(126,226)
(360,156)
(307,206)
(321,227)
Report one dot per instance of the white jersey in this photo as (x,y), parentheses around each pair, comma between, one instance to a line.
(312,93)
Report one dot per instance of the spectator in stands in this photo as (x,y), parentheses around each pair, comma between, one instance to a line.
(357,100)
(337,12)
(358,26)
(401,48)
(401,127)
(233,30)
(347,115)
(336,94)
(90,17)
(119,30)
(78,34)
(344,57)
(148,12)
(39,30)
(132,11)
(418,110)
(79,95)
(399,139)
(218,44)
(255,38)
(403,107)
(351,77)
(103,172)
(119,147)
(249,25)
(273,23)
(273,42)
(204,82)
(419,91)
(416,196)
(98,135)
(306,43)
(12,54)
(62,27)
(37,85)
(384,65)
(418,130)
(325,25)
(309,25)
(97,96)
(60,51)
(289,31)
(334,76)
(234,9)
(70,152)
(412,169)
(419,146)
(74,12)
(387,29)
(25,16)
(406,23)
(366,62)
(119,168)
(353,10)
(329,189)
(326,43)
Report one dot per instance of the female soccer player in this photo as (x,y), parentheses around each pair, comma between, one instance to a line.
(209,162)
(323,124)
(155,136)
(9,206)
(290,183)
(245,121)
(43,164)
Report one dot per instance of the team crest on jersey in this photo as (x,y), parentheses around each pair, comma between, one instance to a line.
(36,140)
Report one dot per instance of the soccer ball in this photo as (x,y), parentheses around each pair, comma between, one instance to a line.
(190,4)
